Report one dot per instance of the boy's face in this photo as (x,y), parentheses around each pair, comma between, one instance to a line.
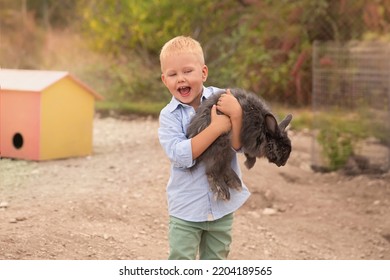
(183,75)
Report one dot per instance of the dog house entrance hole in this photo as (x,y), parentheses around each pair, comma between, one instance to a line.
(17,140)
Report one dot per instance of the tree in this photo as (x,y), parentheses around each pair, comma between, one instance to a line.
(260,45)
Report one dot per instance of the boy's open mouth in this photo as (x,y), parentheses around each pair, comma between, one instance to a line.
(184,91)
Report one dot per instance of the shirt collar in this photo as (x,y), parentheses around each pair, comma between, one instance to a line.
(174,104)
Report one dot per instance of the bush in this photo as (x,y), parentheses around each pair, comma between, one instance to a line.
(337,146)
(339,135)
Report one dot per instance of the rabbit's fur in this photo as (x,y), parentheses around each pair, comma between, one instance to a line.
(261,136)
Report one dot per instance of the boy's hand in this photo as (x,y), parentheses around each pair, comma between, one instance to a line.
(221,122)
(229,105)
(219,125)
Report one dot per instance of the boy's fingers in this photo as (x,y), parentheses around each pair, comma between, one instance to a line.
(214,110)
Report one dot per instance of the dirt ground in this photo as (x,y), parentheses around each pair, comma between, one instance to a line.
(112,205)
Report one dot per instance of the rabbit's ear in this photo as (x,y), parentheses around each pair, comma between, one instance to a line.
(284,123)
(271,123)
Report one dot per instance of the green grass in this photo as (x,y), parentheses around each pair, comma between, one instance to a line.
(302,117)
(130,108)
(338,132)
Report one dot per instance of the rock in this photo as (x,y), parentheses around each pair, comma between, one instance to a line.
(305,166)
(4,204)
(386,236)
(254,214)
(269,211)
(351,167)
(269,195)
(17,219)
(108,237)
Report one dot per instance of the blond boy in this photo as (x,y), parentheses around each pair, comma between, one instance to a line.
(199,224)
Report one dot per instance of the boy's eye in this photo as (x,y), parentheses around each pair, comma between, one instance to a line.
(187,71)
(171,74)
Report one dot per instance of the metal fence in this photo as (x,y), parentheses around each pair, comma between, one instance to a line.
(351,105)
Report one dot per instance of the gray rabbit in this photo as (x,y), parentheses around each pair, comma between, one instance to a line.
(261,136)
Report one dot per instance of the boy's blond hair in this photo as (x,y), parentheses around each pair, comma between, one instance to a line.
(181,44)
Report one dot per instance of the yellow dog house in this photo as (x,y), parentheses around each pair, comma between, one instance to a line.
(45,115)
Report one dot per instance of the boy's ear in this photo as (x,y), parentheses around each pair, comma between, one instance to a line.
(163,79)
(205,73)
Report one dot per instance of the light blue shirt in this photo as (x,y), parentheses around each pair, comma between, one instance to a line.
(188,191)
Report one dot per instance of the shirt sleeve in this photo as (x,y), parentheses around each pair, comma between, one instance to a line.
(174,141)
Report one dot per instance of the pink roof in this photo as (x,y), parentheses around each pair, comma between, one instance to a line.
(35,80)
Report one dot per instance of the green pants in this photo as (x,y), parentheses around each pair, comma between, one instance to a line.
(212,239)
